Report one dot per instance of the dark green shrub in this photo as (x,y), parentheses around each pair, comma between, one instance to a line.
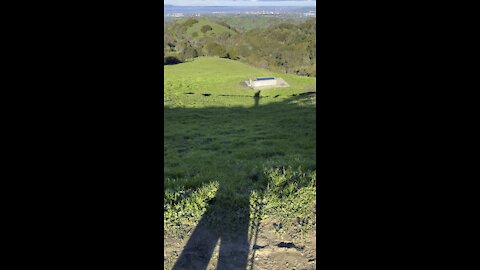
(171,60)
(206,28)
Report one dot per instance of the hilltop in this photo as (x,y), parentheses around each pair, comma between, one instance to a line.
(204,22)
(192,27)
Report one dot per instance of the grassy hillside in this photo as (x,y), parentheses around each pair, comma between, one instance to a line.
(196,27)
(216,76)
(233,160)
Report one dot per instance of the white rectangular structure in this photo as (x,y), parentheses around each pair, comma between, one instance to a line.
(264,81)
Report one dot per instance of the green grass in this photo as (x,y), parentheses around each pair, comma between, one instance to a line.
(228,155)
(207,75)
(216,28)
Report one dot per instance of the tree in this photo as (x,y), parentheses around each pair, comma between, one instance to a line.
(232,54)
(171,60)
(190,53)
(190,22)
(215,49)
(206,28)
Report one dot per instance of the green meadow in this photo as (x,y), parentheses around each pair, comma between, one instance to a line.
(232,158)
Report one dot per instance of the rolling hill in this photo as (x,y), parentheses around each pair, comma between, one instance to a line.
(194,25)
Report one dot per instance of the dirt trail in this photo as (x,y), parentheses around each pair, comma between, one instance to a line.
(270,251)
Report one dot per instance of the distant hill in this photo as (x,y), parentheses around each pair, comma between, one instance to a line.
(193,27)
(216,28)
(285,46)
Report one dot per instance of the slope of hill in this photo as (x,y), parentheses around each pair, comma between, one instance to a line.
(220,77)
(216,28)
(237,165)
(194,25)
(285,46)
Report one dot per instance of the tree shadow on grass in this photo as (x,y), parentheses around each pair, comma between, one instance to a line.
(256,135)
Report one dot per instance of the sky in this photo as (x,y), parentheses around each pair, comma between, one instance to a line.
(240,2)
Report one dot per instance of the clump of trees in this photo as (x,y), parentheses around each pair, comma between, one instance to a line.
(171,60)
(206,28)
(189,22)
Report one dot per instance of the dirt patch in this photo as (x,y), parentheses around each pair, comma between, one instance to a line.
(268,250)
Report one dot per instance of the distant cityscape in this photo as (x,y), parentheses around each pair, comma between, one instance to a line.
(190,11)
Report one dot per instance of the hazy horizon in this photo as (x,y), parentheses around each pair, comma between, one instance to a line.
(305,3)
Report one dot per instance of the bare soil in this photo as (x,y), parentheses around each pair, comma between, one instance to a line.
(268,250)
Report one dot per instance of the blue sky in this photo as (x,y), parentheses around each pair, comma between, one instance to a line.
(240,2)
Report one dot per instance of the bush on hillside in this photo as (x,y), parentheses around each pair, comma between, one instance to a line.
(206,28)
(189,22)
(190,53)
(171,60)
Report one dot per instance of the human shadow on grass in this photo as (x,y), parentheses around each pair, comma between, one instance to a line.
(224,222)
(234,247)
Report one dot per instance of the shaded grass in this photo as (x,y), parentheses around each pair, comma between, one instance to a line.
(228,156)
